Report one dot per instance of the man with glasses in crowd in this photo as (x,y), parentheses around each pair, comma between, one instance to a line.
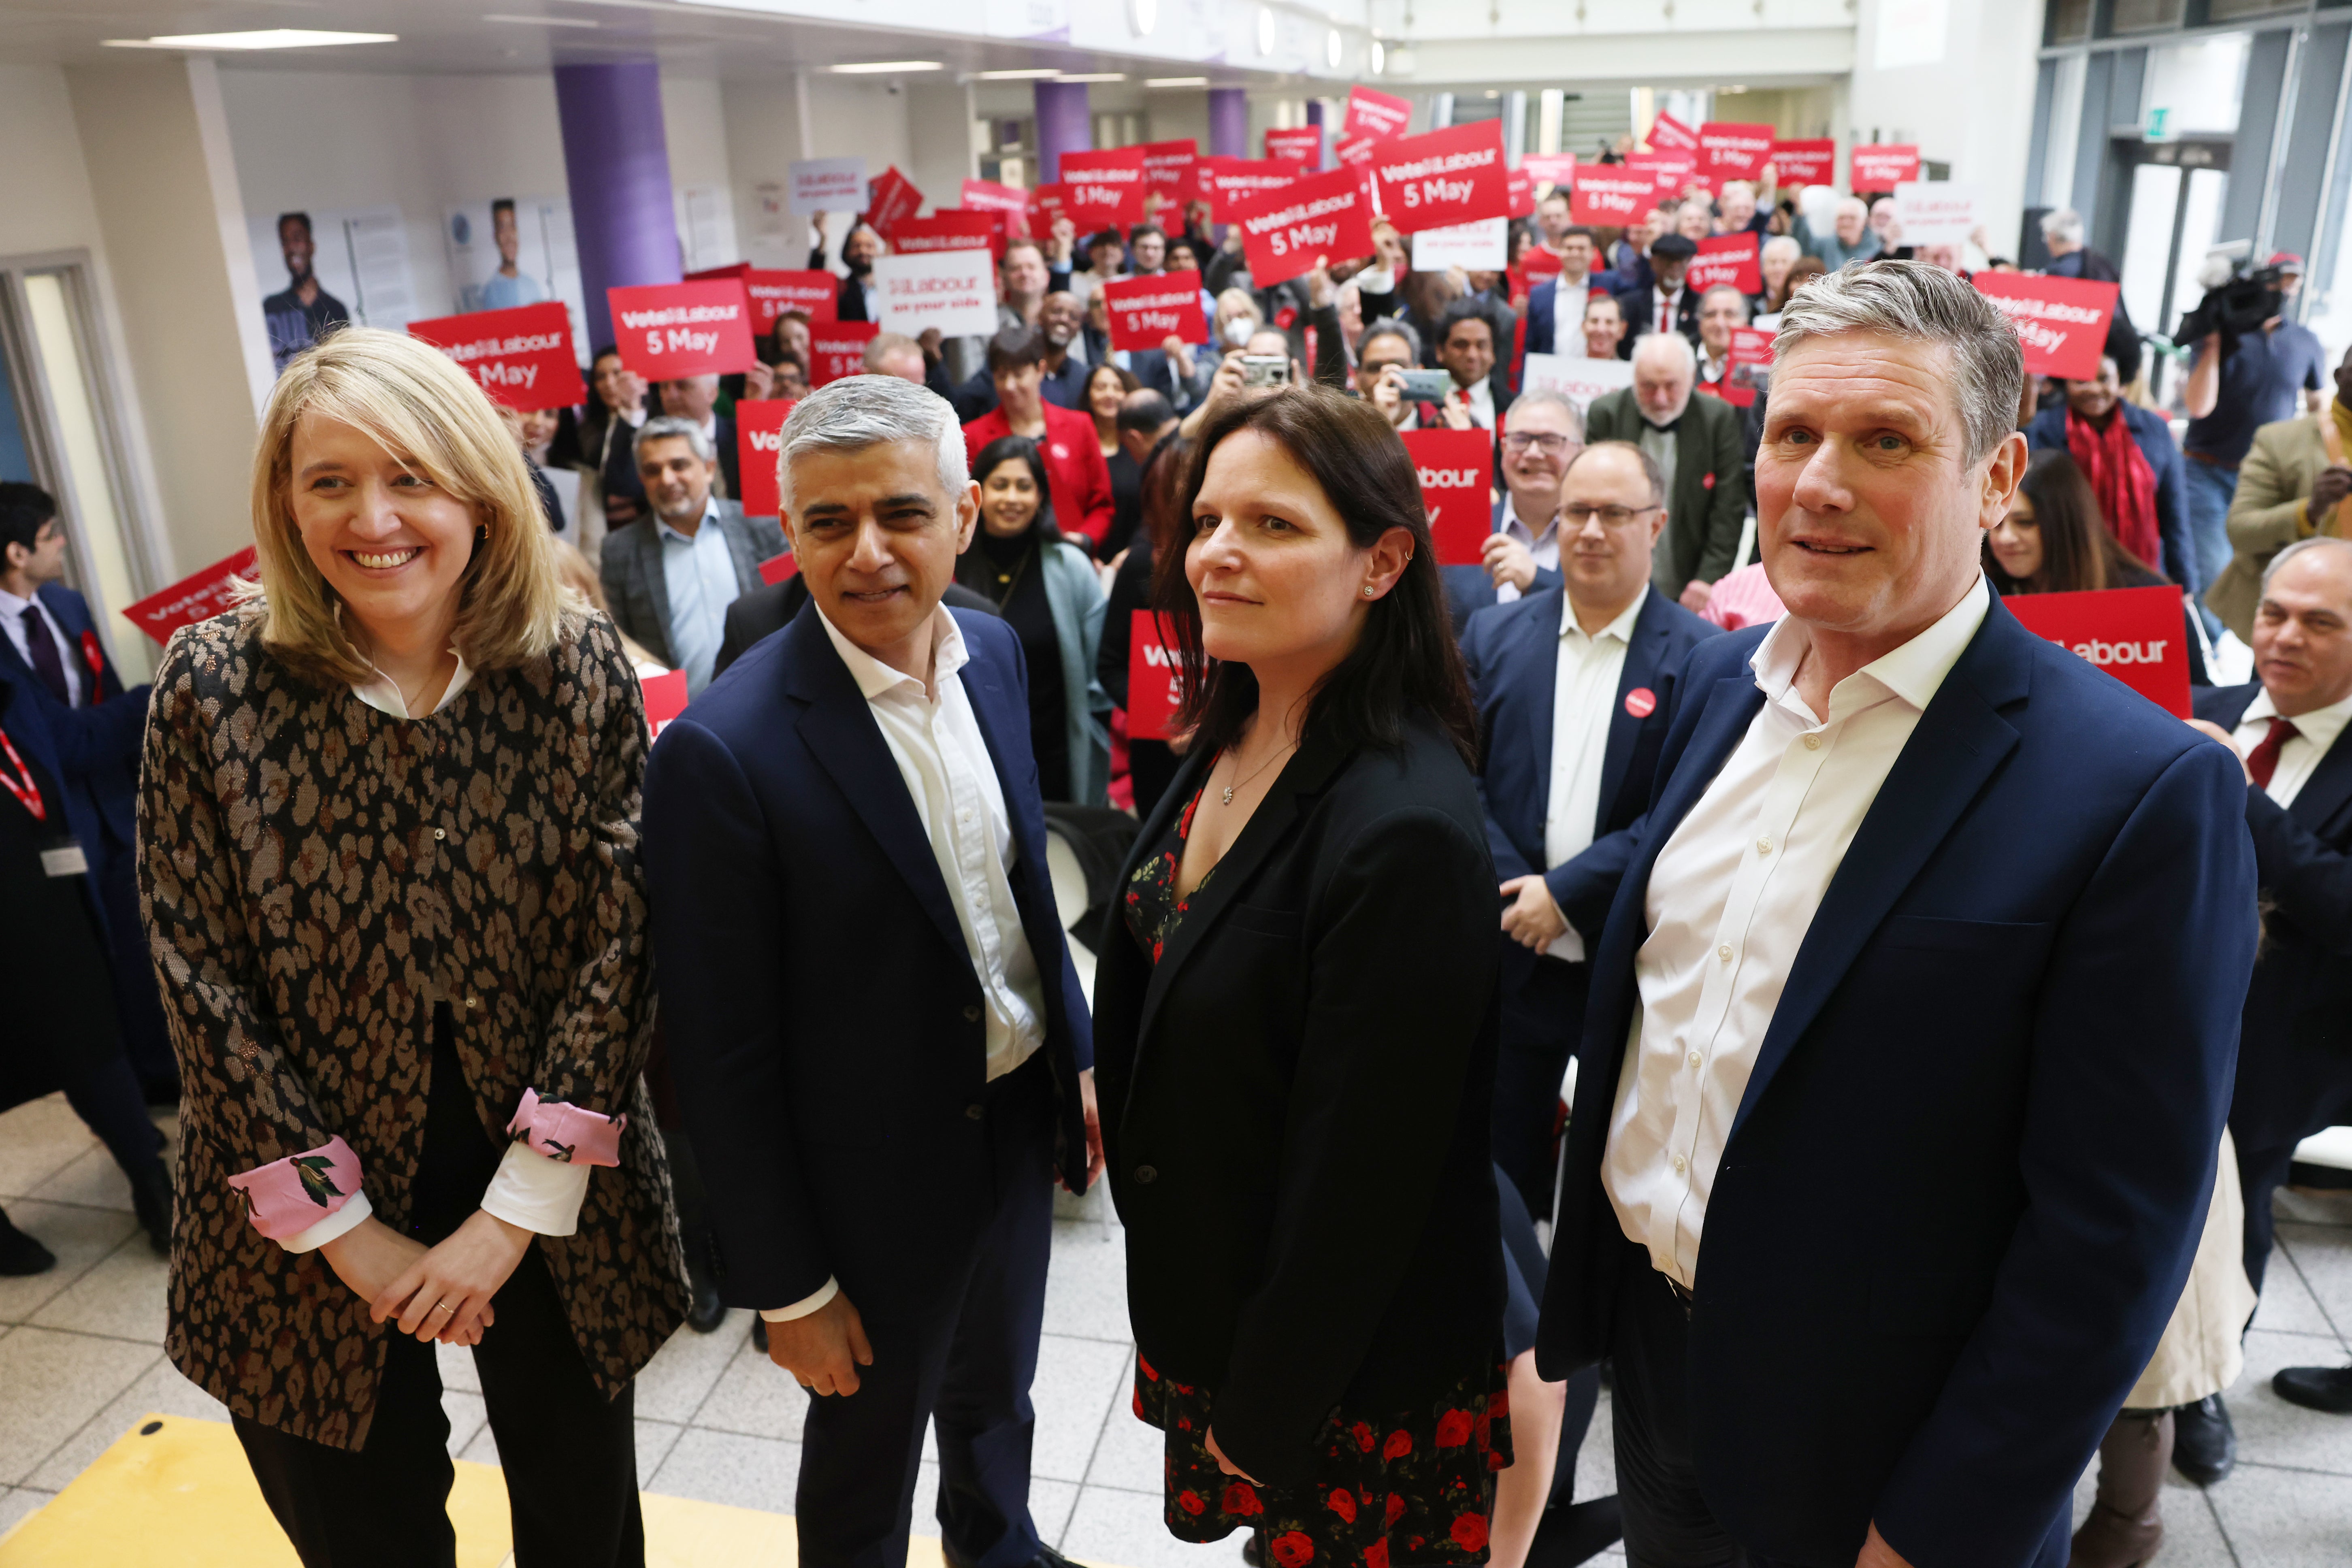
(1542,433)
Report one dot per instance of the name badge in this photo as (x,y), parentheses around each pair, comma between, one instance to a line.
(66,860)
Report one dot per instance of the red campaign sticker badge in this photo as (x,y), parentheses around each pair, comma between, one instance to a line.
(1169,172)
(1456,469)
(1443,179)
(190,599)
(665,700)
(1151,691)
(1304,145)
(1728,151)
(1668,135)
(1376,115)
(1105,189)
(668,329)
(948,230)
(1883,166)
(1805,161)
(1232,184)
(1733,259)
(759,437)
(1641,703)
(2062,322)
(839,349)
(92,654)
(1602,196)
(2133,634)
(1145,312)
(1284,232)
(888,198)
(776,569)
(812,291)
(522,358)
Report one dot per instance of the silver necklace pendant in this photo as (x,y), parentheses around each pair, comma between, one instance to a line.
(1229,795)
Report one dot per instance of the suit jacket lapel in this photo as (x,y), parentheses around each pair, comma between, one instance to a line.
(1624,725)
(1960,742)
(1540,650)
(657,580)
(2327,788)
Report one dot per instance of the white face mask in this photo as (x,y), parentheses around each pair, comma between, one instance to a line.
(1238,331)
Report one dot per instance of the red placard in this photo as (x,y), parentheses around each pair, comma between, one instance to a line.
(1603,195)
(1105,189)
(1556,169)
(944,231)
(889,199)
(1356,153)
(1750,359)
(1733,259)
(759,437)
(812,291)
(522,357)
(2136,634)
(1168,169)
(1521,192)
(1377,115)
(665,700)
(1232,183)
(1283,232)
(1440,179)
(1668,135)
(1151,693)
(839,349)
(1670,173)
(2062,322)
(1303,145)
(190,599)
(1145,312)
(1728,151)
(1806,160)
(1456,468)
(776,569)
(1052,201)
(988,197)
(1885,166)
(1539,263)
(668,329)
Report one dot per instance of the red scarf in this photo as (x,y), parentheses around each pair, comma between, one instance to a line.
(2121,478)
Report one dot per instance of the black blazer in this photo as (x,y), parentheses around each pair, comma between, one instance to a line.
(2295,1055)
(1296,1101)
(823,1023)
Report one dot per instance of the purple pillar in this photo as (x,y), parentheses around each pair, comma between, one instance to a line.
(1063,126)
(1323,147)
(616,163)
(1229,122)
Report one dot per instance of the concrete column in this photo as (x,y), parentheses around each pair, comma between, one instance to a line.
(1229,122)
(1064,125)
(616,165)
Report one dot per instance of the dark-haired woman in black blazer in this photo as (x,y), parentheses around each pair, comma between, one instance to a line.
(1295,1018)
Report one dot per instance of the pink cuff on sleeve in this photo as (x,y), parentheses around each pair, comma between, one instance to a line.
(286,1197)
(566,1132)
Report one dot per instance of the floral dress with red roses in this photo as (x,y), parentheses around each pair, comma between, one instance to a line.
(1392,1489)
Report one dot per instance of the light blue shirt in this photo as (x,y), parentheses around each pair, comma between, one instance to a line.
(700,573)
(504,293)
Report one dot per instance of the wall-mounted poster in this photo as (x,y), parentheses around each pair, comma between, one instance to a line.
(515,250)
(322,268)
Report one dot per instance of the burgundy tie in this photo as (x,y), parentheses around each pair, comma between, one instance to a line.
(43,650)
(2263,761)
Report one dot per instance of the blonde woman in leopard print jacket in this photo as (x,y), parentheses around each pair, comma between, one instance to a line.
(389,861)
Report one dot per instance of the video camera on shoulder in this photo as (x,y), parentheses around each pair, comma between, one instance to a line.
(2238,299)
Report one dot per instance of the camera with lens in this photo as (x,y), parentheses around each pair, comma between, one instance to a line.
(2238,299)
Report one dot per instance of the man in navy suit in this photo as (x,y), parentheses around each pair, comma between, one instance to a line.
(878,1039)
(1572,683)
(1562,296)
(1541,435)
(49,646)
(1928,965)
(2295,1055)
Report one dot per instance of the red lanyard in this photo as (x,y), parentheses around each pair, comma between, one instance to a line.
(27,794)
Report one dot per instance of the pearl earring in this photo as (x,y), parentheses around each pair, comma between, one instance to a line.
(1367,590)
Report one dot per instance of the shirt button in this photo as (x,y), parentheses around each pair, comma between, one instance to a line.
(1724,953)
(1694,1058)
(972,1013)
(1763,846)
(974,1112)
(1680,1164)
(1812,742)
(440,833)
(1145,1176)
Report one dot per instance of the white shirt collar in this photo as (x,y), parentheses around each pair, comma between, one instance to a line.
(2320,726)
(875,677)
(1622,628)
(1913,672)
(709,516)
(1511,515)
(15,607)
(384,695)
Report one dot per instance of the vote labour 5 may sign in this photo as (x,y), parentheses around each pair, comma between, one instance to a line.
(1731,152)
(774,290)
(1456,468)
(759,437)
(1613,200)
(190,599)
(1375,114)
(2062,322)
(2136,635)
(668,329)
(1442,178)
(1326,214)
(1105,189)
(1150,678)
(1145,312)
(522,357)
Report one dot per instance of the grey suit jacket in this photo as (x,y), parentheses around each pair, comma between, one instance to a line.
(636,591)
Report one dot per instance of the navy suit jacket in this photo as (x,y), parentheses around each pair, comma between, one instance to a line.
(1470,587)
(1960,1196)
(25,715)
(1513,652)
(2046,431)
(1543,301)
(97,743)
(824,1026)
(2295,1057)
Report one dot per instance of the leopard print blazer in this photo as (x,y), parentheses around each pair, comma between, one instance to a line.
(316,875)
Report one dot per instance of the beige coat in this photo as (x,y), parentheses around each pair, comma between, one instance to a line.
(2271,483)
(2199,1353)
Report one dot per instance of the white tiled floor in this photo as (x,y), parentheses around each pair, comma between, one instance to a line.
(81,1357)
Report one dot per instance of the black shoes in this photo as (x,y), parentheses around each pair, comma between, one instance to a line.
(2204,1444)
(704,1310)
(2327,1388)
(20,1255)
(760,1332)
(151,1199)
(1046,1558)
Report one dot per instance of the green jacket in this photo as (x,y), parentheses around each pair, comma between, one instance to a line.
(1709,504)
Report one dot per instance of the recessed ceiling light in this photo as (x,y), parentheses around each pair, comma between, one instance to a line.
(884,68)
(1142,15)
(1176,82)
(538,21)
(1039,73)
(269,38)
(1092,76)
(1380,57)
(1264,30)
(1331,49)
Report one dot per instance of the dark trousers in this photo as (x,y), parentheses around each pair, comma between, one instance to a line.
(1543,1017)
(1667,1522)
(569,1455)
(967,1368)
(138,1004)
(106,1096)
(2261,1171)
